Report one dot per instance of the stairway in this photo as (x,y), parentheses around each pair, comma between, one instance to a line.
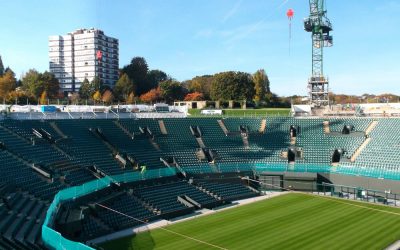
(371,127)
(99,134)
(223,127)
(154,144)
(263,126)
(245,140)
(359,150)
(179,168)
(57,129)
(200,142)
(200,154)
(163,129)
(327,129)
(124,129)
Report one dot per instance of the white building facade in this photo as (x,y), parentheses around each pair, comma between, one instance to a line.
(73,58)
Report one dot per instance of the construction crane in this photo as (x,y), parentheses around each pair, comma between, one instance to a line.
(319,26)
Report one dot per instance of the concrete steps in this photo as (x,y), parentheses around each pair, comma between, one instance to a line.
(58,130)
(360,149)
(327,129)
(163,129)
(124,129)
(371,127)
(223,127)
(263,126)
(200,142)
(245,140)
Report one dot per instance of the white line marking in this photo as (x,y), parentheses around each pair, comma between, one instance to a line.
(162,228)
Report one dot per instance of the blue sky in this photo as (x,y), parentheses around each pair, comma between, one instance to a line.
(189,38)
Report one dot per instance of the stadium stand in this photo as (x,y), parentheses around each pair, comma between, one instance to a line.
(41,157)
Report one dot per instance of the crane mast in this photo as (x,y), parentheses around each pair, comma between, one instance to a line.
(319,26)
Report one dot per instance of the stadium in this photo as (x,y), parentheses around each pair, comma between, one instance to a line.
(320,175)
(103,183)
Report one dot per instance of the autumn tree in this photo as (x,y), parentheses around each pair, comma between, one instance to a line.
(195,96)
(107,97)
(201,84)
(131,98)
(261,86)
(20,96)
(43,98)
(151,96)
(74,98)
(97,96)
(7,84)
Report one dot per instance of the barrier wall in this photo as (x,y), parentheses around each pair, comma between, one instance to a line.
(379,173)
(53,239)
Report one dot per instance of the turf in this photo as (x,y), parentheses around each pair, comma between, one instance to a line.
(247,112)
(292,221)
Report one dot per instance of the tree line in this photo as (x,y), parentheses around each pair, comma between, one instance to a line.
(138,83)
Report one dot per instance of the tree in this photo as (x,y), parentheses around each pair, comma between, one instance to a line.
(107,97)
(261,85)
(43,98)
(35,83)
(232,86)
(7,84)
(1,67)
(154,77)
(201,84)
(123,87)
(96,84)
(195,96)
(74,98)
(31,83)
(97,96)
(151,96)
(20,96)
(50,84)
(171,91)
(85,91)
(131,98)
(137,71)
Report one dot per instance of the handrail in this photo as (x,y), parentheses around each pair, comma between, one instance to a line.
(116,114)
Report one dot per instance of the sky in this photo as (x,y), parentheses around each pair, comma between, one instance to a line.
(197,37)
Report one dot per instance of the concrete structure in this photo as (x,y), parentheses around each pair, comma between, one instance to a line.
(214,104)
(192,104)
(73,58)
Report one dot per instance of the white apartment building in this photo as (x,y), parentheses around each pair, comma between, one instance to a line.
(73,58)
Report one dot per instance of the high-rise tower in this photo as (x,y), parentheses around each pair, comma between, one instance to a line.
(73,58)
